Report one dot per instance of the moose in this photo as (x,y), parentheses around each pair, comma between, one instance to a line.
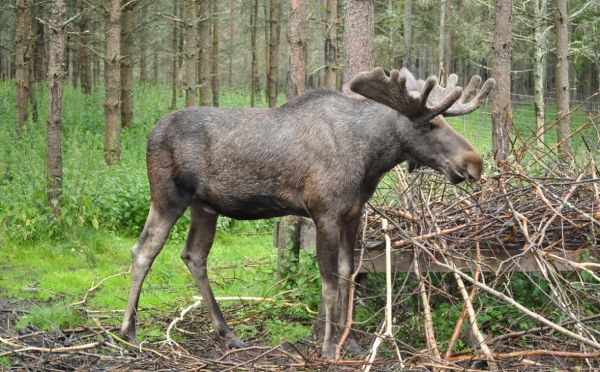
(321,156)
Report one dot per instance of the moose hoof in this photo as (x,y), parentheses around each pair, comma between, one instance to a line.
(352,347)
(235,343)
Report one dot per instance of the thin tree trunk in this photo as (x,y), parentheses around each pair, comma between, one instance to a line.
(254,46)
(143,35)
(127,28)
(231,43)
(331,25)
(54,123)
(96,59)
(190,51)
(539,68)
(22,61)
(84,53)
(112,86)
(155,65)
(359,38)
(33,92)
(38,55)
(502,53)
(204,60)
(267,23)
(273,77)
(442,41)
(296,42)
(408,26)
(74,63)
(561,23)
(214,78)
(174,50)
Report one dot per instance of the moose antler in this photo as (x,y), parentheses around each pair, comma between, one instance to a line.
(420,100)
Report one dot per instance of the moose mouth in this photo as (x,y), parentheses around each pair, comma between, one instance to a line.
(454,174)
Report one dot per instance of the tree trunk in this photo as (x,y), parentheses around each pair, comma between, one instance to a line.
(33,92)
(359,38)
(190,51)
(54,124)
(155,65)
(563,130)
(127,28)
(74,62)
(442,41)
(267,24)
(331,25)
(22,61)
(95,58)
(273,77)
(143,35)
(174,51)
(502,52)
(406,60)
(84,53)
(214,78)
(112,86)
(231,43)
(296,42)
(539,68)
(254,46)
(204,66)
(39,67)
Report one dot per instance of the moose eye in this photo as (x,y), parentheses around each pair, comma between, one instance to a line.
(429,126)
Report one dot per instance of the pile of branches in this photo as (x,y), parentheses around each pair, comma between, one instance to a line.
(552,217)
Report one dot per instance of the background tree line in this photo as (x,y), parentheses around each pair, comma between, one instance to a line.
(545,49)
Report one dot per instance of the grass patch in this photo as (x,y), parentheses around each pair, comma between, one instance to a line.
(50,317)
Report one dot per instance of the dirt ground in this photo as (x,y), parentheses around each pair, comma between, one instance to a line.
(98,348)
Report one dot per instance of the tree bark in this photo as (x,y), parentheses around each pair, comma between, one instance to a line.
(190,51)
(442,41)
(74,62)
(22,61)
(38,56)
(143,49)
(331,25)
(502,53)
(204,65)
(539,68)
(214,78)
(127,28)
(406,60)
(174,51)
(359,38)
(563,130)
(112,86)
(273,77)
(254,46)
(85,68)
(231,43)
(267,24)
(54,123)
(296,42)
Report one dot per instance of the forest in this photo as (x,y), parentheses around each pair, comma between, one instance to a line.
(496,274)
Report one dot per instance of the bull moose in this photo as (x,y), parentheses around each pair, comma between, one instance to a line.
(321,155)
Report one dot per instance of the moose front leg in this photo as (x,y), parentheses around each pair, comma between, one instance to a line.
(328,237)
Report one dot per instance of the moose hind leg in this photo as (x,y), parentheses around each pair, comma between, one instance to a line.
(153,237)
(195,254)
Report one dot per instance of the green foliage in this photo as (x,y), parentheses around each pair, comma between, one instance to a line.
(299,278)
(114,198)
(51,317)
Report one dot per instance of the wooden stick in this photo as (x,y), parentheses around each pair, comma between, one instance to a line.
(529,353)
(512,302)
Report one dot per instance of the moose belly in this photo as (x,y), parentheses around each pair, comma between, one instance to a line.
(255,207)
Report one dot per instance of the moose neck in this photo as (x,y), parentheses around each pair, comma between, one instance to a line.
(386,139)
